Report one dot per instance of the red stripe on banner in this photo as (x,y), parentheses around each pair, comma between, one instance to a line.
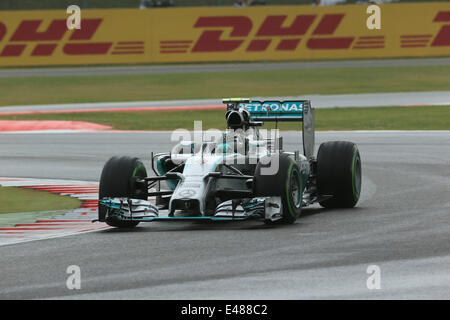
(407,36)
(173,51)
(442,16)
(128,47)
(130,42)
(370,42)
(425,41)
(175,46)
(371,37)
(13,50)
(127,52)
(175,41)
(413,45)
(367,47)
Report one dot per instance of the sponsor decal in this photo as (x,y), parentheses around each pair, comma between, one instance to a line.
(270,30)
(318,31)
(45,40)
(187,193)
(224,34)
(275,106)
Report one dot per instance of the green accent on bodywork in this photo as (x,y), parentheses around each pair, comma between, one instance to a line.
(139,166)
(300,191)
(160,168)
(172,184)
(288,180)
(223,148)
(109,204)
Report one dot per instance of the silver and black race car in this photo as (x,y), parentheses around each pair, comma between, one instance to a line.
(241,173)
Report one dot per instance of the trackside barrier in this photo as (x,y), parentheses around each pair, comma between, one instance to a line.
(115,36)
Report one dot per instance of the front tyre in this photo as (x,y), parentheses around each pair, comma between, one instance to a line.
(285,183)
(339,174)
(117,181)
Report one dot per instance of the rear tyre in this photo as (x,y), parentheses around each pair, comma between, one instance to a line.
(116,181)
(285,183)
(339,174)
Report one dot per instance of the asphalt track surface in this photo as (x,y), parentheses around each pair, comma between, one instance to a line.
(401,224)
(219,67)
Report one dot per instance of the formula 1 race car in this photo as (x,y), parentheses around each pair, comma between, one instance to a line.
(241,173)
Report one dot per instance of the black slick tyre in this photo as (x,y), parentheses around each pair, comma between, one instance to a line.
(116,181)
(339,174)
(285,183)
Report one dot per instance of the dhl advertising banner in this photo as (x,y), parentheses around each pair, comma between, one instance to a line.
(106,36)
(115,36)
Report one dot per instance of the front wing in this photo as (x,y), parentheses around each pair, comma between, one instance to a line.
(126,209)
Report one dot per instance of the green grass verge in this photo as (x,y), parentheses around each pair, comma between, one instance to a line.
(103,88)
(382,118)
(26,200)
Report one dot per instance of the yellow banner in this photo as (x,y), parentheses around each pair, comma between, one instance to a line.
(117,36)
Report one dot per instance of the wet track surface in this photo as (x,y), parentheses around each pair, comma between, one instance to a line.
(401,224)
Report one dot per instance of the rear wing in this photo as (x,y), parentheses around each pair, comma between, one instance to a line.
(281,111)
(275,110)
